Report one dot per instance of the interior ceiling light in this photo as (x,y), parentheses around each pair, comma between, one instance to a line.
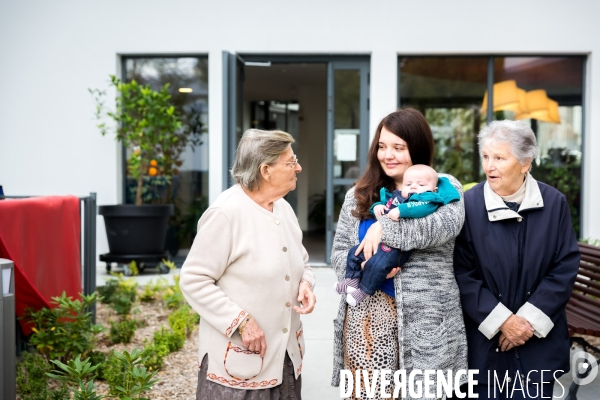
(185,90)
(553,111)
(533,104)
(506,96)
(537,100)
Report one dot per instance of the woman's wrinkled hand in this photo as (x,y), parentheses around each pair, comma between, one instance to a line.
(371,241)
(306,297)
(504,343)
(254,338)
(517,330)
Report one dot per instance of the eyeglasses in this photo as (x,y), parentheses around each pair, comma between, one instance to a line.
(292,163)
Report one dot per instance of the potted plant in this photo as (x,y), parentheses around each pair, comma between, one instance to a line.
(150,128)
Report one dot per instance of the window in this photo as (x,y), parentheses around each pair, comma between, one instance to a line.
(188,190)
(546,92)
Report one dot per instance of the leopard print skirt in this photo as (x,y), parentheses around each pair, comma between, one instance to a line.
(371,338)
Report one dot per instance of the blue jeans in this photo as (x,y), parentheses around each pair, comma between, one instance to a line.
(516,391)
(376,269)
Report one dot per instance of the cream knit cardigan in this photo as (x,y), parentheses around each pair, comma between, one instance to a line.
(247,260)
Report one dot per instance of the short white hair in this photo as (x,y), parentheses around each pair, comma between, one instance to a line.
(257,148)
(517,134)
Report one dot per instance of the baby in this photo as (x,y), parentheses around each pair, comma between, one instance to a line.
(419,197)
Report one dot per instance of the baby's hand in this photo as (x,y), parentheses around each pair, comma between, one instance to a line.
(394,215)
(379,210)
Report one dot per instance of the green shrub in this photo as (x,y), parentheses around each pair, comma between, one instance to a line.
(155,356)
(184,320)
(32,381)
(98,358)
(173,296)
(173,341)
(66,330)
(80,374)
(151,290)
(113,371)
(119,294)
(122,331)
(134,378)
(163,343)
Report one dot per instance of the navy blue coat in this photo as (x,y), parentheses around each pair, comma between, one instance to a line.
(530,258)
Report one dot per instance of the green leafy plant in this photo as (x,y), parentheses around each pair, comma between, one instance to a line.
(172,340)
(122,331)
(80,374)
(151,290)
(98,358)
(172,295)
(32,381)
(136,379)
(119,294)
(163,343)
(149,125)
(562,171)
(184,320)
(66,330)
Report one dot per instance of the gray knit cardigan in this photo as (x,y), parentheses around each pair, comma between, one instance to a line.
(431,332)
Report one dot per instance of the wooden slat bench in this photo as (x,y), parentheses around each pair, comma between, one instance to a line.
(583,308)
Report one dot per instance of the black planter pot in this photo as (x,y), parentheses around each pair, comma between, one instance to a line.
(136,230)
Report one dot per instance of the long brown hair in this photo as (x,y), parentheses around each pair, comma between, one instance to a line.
(412,127)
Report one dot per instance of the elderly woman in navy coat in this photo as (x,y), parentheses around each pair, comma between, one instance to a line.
(515,261)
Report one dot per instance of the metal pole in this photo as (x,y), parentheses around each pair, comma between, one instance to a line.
(490,89)
(89,248)
(7,330)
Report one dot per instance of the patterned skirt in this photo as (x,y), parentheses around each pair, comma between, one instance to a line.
(290,388)
(371,338)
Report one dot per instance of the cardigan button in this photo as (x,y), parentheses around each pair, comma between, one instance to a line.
(284,330)
(519,219)
(287,277)
(497,350)
(288,304)
(277,221)
(284,249)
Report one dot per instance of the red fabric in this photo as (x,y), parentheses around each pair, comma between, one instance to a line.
(42,236)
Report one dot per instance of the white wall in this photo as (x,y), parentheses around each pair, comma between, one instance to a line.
(52,51)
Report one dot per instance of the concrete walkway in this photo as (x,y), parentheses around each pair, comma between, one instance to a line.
(318,334)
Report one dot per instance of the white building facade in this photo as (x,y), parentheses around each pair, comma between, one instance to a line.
(268,59)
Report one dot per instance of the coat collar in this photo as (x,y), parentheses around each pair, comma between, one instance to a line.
(498,211)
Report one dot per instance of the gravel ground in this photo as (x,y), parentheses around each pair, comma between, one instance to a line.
(179,375)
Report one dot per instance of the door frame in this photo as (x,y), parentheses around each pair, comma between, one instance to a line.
(233,75)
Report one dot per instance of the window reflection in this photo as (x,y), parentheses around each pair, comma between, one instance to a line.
(545,92)
(188,80)
(448,91)
(554,96)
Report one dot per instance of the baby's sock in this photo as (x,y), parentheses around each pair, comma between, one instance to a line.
(356,297)
(347,286)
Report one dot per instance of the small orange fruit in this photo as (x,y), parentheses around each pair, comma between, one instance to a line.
(152,171)
(153,163)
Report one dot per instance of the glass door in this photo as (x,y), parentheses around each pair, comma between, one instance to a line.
(233,96)
(347,135)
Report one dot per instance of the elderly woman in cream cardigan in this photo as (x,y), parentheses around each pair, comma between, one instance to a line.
(247,275)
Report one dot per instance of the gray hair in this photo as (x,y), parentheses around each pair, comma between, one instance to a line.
(258,148)
(518,134)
